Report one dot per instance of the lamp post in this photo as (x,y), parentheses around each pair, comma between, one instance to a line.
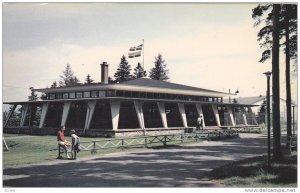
(293,122)
(268,74)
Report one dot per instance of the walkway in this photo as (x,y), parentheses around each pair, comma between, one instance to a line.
(180,166)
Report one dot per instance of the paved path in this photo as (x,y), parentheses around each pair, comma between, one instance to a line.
(181,166)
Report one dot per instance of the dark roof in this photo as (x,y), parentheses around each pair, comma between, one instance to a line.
(147,82)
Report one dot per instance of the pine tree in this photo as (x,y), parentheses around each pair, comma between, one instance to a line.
(159,71)
(54,85)
(68,78)
(139,71)
(88,79)
(123,71)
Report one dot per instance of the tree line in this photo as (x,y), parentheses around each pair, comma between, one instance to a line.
(123,73)
(278,33)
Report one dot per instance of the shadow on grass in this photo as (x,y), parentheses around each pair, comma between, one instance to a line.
(254,172)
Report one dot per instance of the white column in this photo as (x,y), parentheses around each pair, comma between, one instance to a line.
(229,109)
(89,113)
(252,116)
(24,113)
(138,105)
(43,115)
(244,115)
(216,113)
(67,106)
(200,112)
(182,113)
(115,112)
(162,110)
(10,114)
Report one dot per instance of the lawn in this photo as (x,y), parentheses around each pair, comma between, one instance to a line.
(27,149)
(253,172)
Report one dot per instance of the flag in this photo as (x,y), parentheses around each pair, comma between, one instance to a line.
(132,49)
(131,55)
(140,47)
(135,51)
(137,54)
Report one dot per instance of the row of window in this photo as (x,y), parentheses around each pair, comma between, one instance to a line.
(129,94)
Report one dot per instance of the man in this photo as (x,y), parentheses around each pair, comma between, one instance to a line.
(61,139)
(199,123)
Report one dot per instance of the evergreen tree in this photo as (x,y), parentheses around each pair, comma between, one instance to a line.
(159,71)
(139,71)
(277,154)
(123,71)
(287,28)
(54,84)
(68,78)
(88,79)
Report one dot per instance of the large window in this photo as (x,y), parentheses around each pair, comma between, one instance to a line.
(72,95)
(65,95)
(101,93)
(79,95)
(94,94)
(87,94)
(59,95)
(52,96)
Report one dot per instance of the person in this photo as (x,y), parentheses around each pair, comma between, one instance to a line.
(75,144)
(199,123)
(62,141)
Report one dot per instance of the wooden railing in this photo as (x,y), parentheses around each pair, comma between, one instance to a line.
(159,140)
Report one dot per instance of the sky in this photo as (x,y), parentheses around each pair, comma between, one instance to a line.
(212,46)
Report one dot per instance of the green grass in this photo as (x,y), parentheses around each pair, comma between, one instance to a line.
(253,172)
(26,149)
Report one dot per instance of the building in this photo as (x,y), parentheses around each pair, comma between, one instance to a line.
(135,107)
(259,101)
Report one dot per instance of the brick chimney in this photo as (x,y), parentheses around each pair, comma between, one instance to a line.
(104,73)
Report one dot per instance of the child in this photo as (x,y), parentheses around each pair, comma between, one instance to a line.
(75,144)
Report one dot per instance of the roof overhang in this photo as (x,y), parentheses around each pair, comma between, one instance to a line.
(127,99)
(134,89)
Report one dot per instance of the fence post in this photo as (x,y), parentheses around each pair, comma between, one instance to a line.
(181,136)
(146,141)
(122,144)
(165,142)
(94,148)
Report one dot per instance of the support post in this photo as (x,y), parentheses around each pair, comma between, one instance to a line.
(244,116)
(11,112)
(138,105)
(232,121)
(89,113)
(200,112)
(24,113)
(115,112)
(252,116)
(162,110)
(216,113)
(182,113)
(43,115)
(67,106)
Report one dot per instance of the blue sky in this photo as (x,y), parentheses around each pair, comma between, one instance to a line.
(210,46)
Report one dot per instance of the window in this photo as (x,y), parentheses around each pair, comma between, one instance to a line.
(94,94)
(59,95)
(110,93)
(72,95)
(65,95)
(119,93)
(78,95)
(86,94)
(101,93)
(52,96)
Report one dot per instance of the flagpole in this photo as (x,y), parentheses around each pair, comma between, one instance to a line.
(143,53)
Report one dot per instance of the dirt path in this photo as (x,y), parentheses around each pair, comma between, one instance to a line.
(180,166)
